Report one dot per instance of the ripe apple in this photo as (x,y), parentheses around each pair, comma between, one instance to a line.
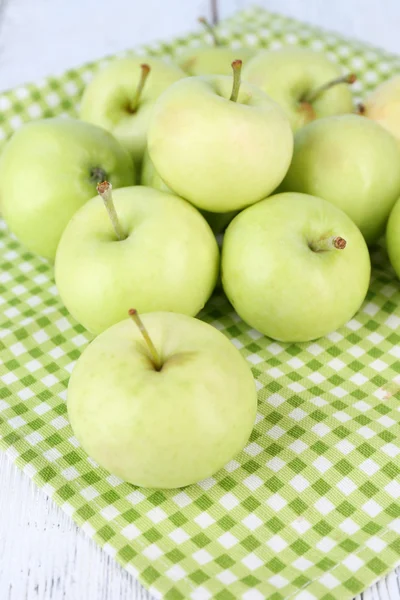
(393,238)
(306,84)
(165,411)
(383,105)
(295,267)
(352,162)
(156,250)
(220,147)
(120,98)
(212,60)
(150,177)
(37,167)
(217,221)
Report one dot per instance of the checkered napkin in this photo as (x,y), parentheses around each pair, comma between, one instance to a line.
(310,509)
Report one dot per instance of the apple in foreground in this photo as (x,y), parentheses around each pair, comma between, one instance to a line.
(220,146)
(154,249)
(37,167)
(354,163)
(295,267)
(383,106)
(212,60)
(217,221)
(305,83)
(121,96)
(162,405)
(393,238)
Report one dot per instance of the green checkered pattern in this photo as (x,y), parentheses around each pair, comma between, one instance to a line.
(310,509)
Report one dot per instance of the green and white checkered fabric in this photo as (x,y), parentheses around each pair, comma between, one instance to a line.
(310,509)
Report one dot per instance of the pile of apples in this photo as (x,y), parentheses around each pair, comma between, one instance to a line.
(273,152)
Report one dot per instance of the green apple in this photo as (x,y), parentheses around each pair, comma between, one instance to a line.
(48,170)
(217,221)
(305,83)
(121,96)
(383,105)
(295,267)
(221,147)
(150,177)
(352,162)
(212,60)
(156,251)
(165,411)
(393,238)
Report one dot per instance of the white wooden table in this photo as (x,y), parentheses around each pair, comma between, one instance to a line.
(43,555)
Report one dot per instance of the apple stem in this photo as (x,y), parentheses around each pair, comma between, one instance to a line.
(237,69)
(214,12)
(133,313)
(360,109)
(143,78)
(104,190)
(313,95)
(333,242)
(210,29)
(308,112)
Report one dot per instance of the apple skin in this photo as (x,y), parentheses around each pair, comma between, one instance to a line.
(278,284)
(168,428)
(213,60)
(288,74)
(217,221)
(106,99)
(218,154)
(393,238)
(46,176)
(150,177)
(169,261)
(352,162)
(383,106)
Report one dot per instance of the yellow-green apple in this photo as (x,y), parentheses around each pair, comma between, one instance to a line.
(150,177)
(121,96)
(156,250)
(351,161)
(217,221)
(295,267)
(221,147)
(48,170)
(212,60)
(162,405)
(305,83)
(383,105)
(393,238)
